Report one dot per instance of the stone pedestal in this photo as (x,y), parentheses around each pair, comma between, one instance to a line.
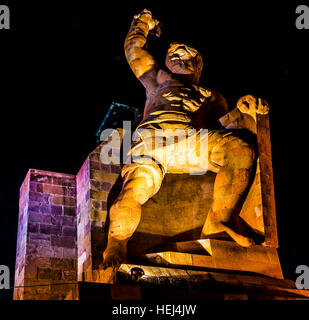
(46,245)
(220,255)
(97,187)
(166,284)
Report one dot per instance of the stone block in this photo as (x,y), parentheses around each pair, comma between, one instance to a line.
(41,240)
(63,241)
(220,254)
(94,183)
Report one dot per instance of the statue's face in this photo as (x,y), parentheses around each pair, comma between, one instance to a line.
(182,59)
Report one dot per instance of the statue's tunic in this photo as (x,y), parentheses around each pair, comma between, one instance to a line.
(176,109)
(172,103)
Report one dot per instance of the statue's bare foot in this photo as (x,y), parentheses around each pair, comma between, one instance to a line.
(115,253)
(218,227)
(244,241)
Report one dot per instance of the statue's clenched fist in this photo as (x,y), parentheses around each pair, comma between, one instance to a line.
(153,24)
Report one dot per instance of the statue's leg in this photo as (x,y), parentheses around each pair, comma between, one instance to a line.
(235,159)
(141,182)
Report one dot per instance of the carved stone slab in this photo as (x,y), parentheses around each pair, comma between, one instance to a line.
(220,254)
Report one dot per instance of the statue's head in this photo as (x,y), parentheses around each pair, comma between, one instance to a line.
(183,59)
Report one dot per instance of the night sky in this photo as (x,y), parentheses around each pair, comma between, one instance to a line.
(62,64)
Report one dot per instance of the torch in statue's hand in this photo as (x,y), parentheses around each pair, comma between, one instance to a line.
(153,24)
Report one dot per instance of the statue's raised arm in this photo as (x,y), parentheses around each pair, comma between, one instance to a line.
(139,59)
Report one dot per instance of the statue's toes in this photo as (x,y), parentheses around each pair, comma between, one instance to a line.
(244,241)
(113,262)
(247,242)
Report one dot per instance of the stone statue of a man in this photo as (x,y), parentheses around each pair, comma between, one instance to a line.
(175,100)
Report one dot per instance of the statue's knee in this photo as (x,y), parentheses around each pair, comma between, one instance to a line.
(141,183)
(241,154)
(248,156)
(140,177)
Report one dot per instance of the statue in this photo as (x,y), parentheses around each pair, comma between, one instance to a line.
(175,100)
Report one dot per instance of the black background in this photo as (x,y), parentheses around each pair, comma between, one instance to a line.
(62,64)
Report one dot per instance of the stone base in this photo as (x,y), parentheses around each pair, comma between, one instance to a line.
(220,255)
(159,283)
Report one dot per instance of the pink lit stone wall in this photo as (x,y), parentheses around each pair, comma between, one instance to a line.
(46,244)
(97,186)
(22,238)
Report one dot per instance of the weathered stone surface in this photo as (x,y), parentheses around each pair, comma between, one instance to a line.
(267,182)
(46,244)
(95,183)
(174,213)
(171,283)
(219,254)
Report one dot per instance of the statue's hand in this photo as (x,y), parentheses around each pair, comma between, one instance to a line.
(252,105)
(153,24)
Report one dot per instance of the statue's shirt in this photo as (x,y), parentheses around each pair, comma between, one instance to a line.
(172,103)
